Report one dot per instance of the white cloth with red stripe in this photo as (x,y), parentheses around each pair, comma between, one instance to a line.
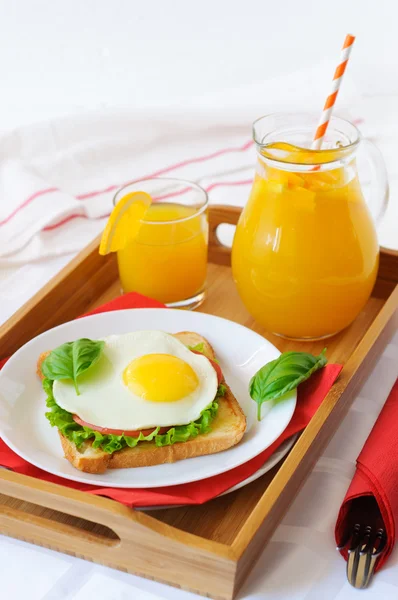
(57,179)
(56,202)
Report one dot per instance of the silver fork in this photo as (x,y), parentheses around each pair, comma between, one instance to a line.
(365,545)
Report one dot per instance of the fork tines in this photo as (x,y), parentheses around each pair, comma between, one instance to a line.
(365,546)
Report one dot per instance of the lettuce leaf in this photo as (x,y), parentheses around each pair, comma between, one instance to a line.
(222,388)
(58,417)
(183,433)
(198,348)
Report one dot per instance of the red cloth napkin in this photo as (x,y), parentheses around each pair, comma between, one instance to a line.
(310,395)
(374,488)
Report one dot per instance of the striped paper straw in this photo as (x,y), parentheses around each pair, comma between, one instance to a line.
(331,99)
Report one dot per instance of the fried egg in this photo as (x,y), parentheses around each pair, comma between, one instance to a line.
(143,379)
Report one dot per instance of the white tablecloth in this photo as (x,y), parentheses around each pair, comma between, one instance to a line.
(299,563)
(302,546)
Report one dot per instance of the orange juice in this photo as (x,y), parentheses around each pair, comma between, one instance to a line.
(167,260)
(305,253)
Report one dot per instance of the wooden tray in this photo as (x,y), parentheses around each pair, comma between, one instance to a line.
(207,549)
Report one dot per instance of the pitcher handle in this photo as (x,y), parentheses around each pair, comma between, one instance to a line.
(219,253)
(379,187)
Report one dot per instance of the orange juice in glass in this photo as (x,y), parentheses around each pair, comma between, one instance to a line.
(167,259)
(305,253)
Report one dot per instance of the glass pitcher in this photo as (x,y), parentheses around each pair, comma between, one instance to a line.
(305,253)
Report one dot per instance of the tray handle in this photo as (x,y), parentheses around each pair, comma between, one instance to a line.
(137,542)
(27,525)
(219,253)
(47,512)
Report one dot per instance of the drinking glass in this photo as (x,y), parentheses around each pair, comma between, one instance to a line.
(168,258)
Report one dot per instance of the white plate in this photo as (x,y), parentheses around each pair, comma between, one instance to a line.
(241,352)
(267,466)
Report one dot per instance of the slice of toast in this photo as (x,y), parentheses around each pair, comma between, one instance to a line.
(227,430)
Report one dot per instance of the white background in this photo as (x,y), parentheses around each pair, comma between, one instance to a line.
(59,57)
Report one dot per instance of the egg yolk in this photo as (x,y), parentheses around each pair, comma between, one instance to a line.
(160,377)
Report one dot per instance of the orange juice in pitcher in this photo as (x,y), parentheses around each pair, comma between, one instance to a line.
(305,253)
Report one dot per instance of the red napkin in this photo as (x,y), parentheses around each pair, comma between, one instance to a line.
(374,488)
(310,395)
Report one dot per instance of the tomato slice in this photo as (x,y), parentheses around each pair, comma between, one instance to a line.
(107,431)
(215,365)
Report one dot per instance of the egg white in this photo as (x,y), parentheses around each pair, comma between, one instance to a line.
(106,401)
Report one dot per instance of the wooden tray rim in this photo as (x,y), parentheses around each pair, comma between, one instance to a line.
(48,493)
(115,514)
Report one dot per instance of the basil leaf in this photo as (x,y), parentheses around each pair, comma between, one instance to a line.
(70,360)
(58,364)
(282,375)
(85,353)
